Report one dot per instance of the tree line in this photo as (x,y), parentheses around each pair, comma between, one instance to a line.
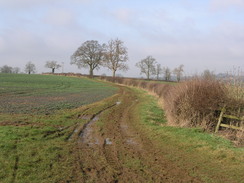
(112,55)
(150,67)
(30,68)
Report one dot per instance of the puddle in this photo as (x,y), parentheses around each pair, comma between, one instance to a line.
(87,128)
(108,141)
(131,142)
(124,126)
(87,136)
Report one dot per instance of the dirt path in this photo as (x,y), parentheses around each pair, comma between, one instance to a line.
(117,151)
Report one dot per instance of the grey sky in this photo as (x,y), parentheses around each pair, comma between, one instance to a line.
(199,34)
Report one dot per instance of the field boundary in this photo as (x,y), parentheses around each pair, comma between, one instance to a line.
(227,116)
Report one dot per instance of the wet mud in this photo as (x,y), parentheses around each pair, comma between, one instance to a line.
(118,152)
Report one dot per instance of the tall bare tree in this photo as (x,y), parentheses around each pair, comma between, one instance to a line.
(178,72)
(167,73)
(115,56)
(147,66)
(30,68)
(159,70)
(52,65)
(89,54)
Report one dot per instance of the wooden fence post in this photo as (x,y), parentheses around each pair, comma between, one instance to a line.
(220,119)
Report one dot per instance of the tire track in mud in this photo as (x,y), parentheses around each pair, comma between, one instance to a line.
(120,152)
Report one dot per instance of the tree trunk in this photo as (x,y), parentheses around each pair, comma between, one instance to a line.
(53,69)
(91,72)
(29,72)
(114,73)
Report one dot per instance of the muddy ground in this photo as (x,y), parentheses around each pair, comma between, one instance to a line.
(117,151)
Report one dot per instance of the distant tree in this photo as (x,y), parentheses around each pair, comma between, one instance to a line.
(6,69)
(89,54)
(159,70)
(115,56)
(147,66)
(167,73)
(52,65)
(178,72)
(30,68)
(207,74)
(16,70)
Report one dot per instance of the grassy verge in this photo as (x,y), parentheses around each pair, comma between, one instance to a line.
(37,151)
(206,156)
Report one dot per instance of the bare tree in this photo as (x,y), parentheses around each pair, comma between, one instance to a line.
(115,56)
(159,70)
(30,68)
(178,72)
(16,70)
(89,54)
(6,69)
(167,73)
(147,66)
(52,65)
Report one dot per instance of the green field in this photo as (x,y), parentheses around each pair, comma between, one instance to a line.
(37,115)
(46,94)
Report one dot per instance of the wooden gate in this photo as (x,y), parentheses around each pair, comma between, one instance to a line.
(224,115)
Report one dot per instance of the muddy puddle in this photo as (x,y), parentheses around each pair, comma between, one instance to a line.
(86,135)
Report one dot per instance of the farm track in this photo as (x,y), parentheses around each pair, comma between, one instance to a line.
(118,151)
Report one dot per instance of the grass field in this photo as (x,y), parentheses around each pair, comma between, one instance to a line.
(37,115)
(46,94)
(36,144)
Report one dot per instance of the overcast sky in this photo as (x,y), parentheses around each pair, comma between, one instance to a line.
(200,34)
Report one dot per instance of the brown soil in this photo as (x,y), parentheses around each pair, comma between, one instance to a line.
(14,123)
(117,151)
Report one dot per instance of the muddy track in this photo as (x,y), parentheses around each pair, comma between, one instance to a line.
(118,151)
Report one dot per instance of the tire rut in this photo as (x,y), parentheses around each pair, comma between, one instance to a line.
(120,152)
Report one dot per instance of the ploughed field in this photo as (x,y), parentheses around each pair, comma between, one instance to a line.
(43,94)
(79,130)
